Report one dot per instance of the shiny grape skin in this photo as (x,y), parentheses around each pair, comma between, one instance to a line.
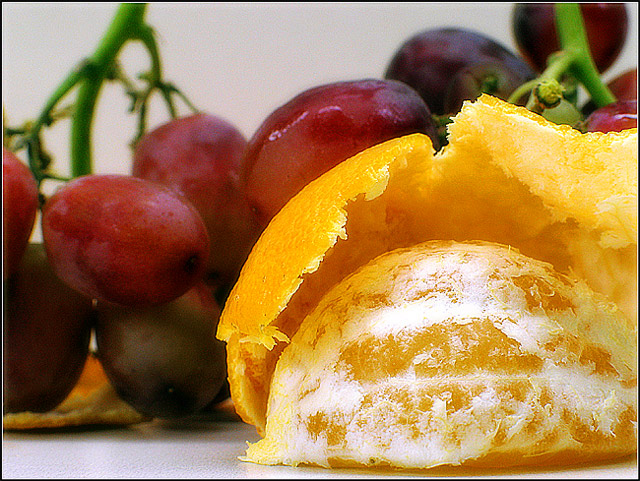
(614,117)
(124,240)
(430,59)
(163,360)
(46,332)
(320,128)
(19,210)
(606,24)
(200,156)
(625,85)
(487,77)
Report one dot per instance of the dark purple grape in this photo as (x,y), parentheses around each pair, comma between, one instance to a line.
(320,128)
(46,331)
(164,360)
(614,117)
(223,395)
(124,240)
(486,77)
(429,60)
(534,30)
(200,156)
(19,208)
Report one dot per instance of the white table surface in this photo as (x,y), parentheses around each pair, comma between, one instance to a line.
(209,449)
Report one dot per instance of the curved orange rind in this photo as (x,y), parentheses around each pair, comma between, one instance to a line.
(507,176)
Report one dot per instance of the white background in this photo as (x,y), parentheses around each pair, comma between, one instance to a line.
(236,60)
(239,61)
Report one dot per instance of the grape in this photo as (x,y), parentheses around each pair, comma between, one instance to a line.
(46,331)
(124,240)
(625,85)
(534,30)
(486,77)
(320,128)
(19,209)
(429,60)
(223,395)
(200,156)
(614,117)
(163,360)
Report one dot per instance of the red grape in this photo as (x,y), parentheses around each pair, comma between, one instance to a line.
(320,128)
(429,60)
(19,209)
(535,33)
(164,360)
(487,77)
(124,240)
(625,85)
(614,117)
(200,156)
(46,331)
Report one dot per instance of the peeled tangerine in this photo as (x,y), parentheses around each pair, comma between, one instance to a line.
(446,352)
(473,306)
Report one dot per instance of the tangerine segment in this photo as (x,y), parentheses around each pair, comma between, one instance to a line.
(447,353)
(484,185)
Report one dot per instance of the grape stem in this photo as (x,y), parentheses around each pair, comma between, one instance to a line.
(89,76)
(574,58)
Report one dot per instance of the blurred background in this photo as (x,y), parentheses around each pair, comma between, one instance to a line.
(238,60)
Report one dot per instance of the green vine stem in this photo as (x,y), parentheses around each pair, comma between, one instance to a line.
(125,26)
(89,77)
(32,141)
(574,58)
(573,39)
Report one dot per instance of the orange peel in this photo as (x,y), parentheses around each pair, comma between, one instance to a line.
(92,402)
(507,176)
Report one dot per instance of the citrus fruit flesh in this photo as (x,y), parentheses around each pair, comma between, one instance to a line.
(507,176)
(446,353)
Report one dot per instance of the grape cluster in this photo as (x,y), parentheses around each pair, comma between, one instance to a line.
(447,66)
(144,261)
(321,127)
(536,36)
